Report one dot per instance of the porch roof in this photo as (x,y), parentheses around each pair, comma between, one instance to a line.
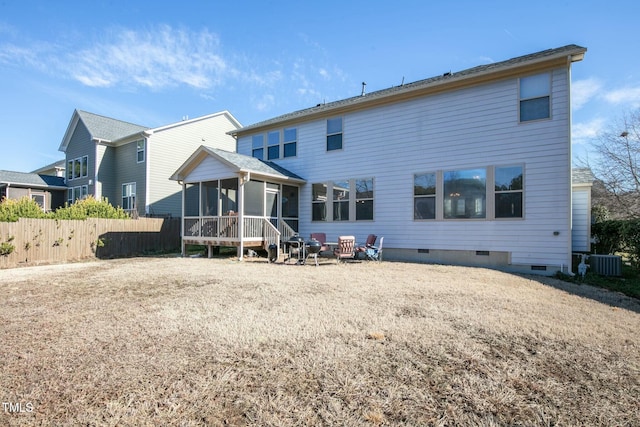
(240,163)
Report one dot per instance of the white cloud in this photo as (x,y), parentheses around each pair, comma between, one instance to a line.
(582,91)
(627,95)
(154,59)
(587,130)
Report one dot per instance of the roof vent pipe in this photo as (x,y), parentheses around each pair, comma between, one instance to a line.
(364,87)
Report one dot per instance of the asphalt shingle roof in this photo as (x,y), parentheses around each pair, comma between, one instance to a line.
(31,179)
(107,128)
(408,87)
(253,164)
(582,176)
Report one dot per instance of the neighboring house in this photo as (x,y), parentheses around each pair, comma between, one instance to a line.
(471,167)
(53,169)
(582,181)
(48,191)
(128,164)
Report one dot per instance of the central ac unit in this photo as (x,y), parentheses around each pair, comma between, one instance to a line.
(606,265)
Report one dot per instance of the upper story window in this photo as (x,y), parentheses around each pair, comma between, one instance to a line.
(277,144)
(290,142)
(509,190)
(334,134)
(273,145)
(535,97)
(257,146)
(78,168)
(140,150)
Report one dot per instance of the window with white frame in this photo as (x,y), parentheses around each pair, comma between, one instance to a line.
(129,196)
(40,199)
(347,200)
(84,166)
(334,134)
(140,151)
(277,144)
(69,170)
(424,196)
(535,97)
(509,190)
(78,168)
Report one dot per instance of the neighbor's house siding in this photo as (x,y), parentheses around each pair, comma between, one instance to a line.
(167,150)
(81,145)
(581,219)
(466,128)
(128,170)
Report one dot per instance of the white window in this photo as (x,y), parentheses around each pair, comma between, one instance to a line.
(69,170)
(84,171)
(140,149)
(334,134)
(40,199)
(273,145)
(535,97)
(257,146)
(129,196)
(77,170)
(290,142)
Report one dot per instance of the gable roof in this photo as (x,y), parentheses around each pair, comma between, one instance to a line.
(100,128)
(582,176)
(60,164)
(237,162)
(448,81)
(32,180)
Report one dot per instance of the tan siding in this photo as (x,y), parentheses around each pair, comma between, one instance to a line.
(168,149)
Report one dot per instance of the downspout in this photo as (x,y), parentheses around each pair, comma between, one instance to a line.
(570,198)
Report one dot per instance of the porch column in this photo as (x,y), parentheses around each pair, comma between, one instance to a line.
(241,180)
(182,245)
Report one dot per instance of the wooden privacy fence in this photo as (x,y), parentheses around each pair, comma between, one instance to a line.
(36,241)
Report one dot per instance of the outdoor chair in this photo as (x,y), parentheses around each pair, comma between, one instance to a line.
(374,253)
(345,249)
(371,240)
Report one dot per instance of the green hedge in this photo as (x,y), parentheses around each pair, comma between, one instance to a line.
(11,210)
(617,236)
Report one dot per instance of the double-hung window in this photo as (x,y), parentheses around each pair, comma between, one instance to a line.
(535,97)
(140,151)
(273,145)
(129,196)
(424,196)
(334,134)
(509,190)
(290,142)
(364,199)
(257,146)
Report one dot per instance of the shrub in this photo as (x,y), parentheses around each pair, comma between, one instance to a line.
(619,236)
(25,207)
(6,248)
(89,208)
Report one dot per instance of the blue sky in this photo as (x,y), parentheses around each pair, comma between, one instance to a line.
(154,62)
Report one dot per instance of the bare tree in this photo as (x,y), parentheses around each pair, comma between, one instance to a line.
(617,165)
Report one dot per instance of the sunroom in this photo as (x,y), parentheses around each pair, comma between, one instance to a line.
(229,199)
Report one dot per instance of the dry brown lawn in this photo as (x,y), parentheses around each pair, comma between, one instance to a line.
(184,341)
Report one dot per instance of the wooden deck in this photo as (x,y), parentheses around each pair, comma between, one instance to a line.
(257,232)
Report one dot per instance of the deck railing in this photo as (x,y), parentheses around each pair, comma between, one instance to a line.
(224,229)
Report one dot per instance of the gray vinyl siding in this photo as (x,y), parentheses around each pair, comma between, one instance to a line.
(81,144)
(127,170)
(466,128)
(581,220)
(106,180)
(168,149)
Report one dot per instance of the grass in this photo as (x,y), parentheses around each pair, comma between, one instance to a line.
(196,341)
(628,284)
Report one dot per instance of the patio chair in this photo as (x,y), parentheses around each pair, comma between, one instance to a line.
(371,240)
(322,238)
(345,249)
(374,253)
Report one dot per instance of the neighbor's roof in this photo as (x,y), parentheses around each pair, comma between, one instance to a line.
(481,73)
(60,164)
(99,127)
(32,180)
(238,162)
(582,176)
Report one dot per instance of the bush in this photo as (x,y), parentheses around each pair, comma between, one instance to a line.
(619,236)
(12,209)
(89,208)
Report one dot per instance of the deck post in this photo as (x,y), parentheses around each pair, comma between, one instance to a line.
(183,247)
(242,180)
